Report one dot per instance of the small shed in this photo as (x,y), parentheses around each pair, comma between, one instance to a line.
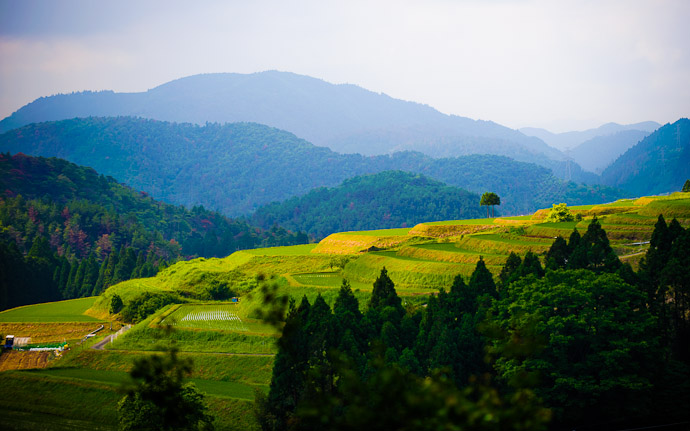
(9,342)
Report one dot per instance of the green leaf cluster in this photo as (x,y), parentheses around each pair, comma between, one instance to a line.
(160,399)
(559,213)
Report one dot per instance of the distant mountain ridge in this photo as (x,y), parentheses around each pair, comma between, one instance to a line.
(563,141)
(344,118)
(599,152)
(235,168)
(660,163)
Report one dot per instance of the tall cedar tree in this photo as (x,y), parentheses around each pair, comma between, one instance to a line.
(289,370)
(509,270)
(482,283)
(558,254)
(593,251)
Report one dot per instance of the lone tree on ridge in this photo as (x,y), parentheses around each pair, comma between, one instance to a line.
(490,199)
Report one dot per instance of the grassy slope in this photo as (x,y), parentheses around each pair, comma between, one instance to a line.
(62,311)
(424,257)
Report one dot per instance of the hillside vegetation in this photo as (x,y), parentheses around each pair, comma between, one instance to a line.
(419,259)
(660,163)
(385,200)
(68,232)
(235,168)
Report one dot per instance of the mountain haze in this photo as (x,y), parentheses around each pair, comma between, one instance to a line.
(660,163)
(235,168)
(344,118)
(563,141)
(597,153)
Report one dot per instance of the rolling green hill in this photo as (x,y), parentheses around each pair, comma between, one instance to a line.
(420,259)
(235,168)
(379,201)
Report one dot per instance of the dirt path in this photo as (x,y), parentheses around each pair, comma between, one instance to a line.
(634,254)
(101,344)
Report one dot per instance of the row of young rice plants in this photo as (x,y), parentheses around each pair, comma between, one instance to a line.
(147,336)
(222,317)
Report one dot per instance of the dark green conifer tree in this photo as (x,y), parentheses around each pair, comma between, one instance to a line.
(91,269)
(593,251)
(347,318)
(75,288)
(64,275)
(530,265)
(512,264)
(482,282)
(558,254)
(109,273)
(141,260)
(675,279)
(69,286)
(384,294)
(98,285)
(573,241)
(289,370)
(125,266)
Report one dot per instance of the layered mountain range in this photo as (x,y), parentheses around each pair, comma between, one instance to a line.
(235,142)
(235,168)
(345,118)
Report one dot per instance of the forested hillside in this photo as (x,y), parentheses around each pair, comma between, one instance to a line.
(235,168)
(388,199)
(344,118)
(66,231)
(660,163)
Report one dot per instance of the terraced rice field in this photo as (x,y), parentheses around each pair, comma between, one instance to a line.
(61,311)
(214,317)
(24,360)
(49,332)
(326,279)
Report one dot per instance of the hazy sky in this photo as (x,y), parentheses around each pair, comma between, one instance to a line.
(562,65)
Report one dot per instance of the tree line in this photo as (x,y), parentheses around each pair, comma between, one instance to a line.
(582,342)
